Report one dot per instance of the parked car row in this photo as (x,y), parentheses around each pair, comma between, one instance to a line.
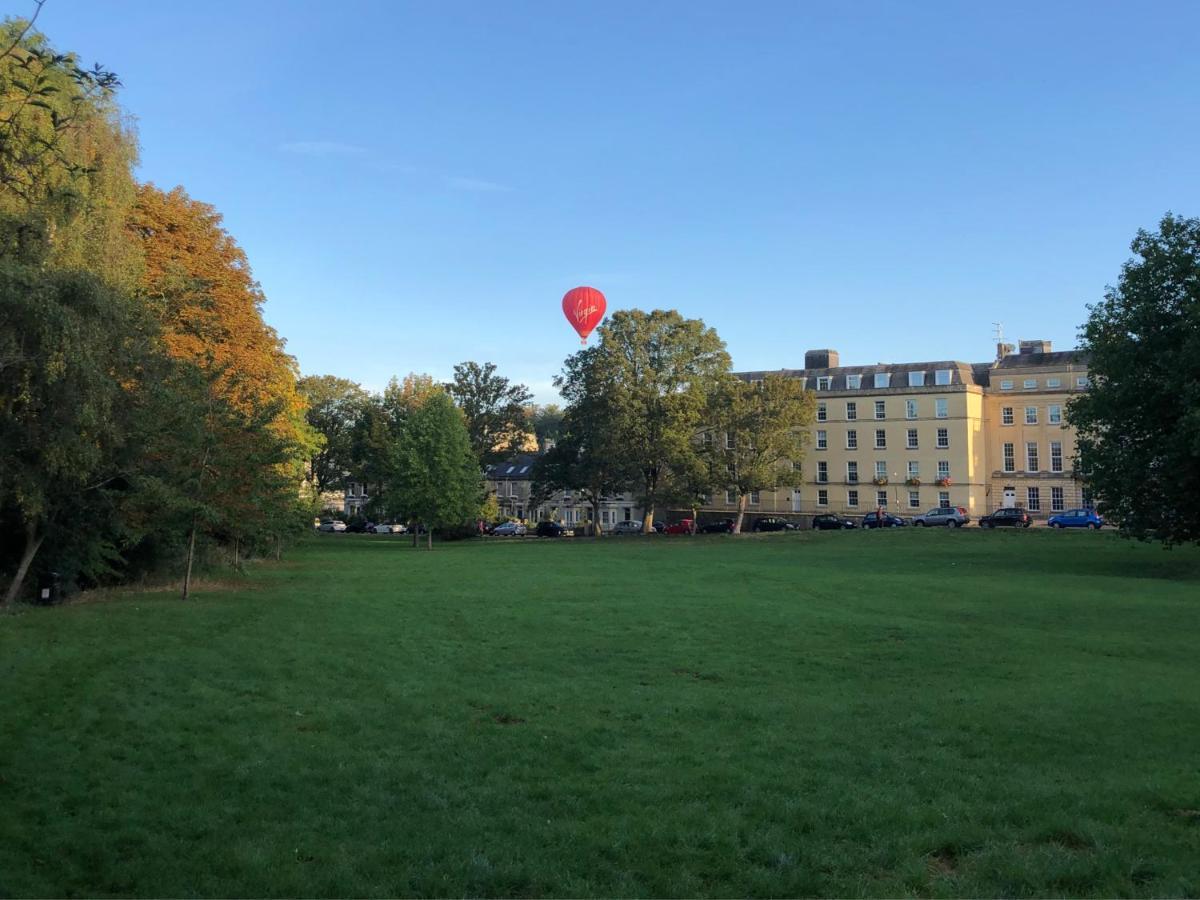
(337,526)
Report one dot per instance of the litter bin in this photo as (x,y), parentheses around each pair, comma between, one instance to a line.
(49,589)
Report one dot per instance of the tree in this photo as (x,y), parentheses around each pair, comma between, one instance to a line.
(433,470)
(756,431)
(70,356)
(335,406)
(545,422)
(1138,425)
(588,455)
(658,371)
(494,409)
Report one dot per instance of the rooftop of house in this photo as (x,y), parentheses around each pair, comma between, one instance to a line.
(516,468)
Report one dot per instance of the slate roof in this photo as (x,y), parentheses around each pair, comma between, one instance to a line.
(516,468)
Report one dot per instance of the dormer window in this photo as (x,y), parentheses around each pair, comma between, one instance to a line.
(853,382)
(1030,384)
(916,379)
(883,379)
(1006,385)
(943,376)
(1081,381)
(824,382)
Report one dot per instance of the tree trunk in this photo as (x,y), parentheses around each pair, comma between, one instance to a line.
(428,537)
(596,518)
(32,542)
(741,512)
(695,515)
(413,526)
(187,574)
(236,560)
(648,521)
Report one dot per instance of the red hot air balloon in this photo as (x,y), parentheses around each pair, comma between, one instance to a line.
(584,308)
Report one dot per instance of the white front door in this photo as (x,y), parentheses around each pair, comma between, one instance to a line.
(796,500)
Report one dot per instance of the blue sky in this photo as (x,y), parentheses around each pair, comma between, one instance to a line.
(418,184)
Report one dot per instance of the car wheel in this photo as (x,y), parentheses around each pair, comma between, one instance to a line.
(954,524)
(919,523)
(1058,525)
(1092,526)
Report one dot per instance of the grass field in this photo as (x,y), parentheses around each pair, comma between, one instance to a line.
(906,712)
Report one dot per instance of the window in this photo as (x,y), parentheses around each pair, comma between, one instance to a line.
(912,439)
(943,499)
(1031,415)
(943,468)
(914,469)
(1006,415)
(852,498)
(880,412)
(754,497)
(796,465)
(707,439)
(1053,382)
(1081,381)
(910,409)
(1054,414)
(1029,384)
(941,407)
(881,468)
(852,472)
(943,376)
(883,379)
(853,382)
(730,497)
(881,498)
(1033,499)
(943,438)
(851,439)
(914,499)
(822,498)
(1056,456)
(728,441)
(916,379)
(822,439)
(1006,385)
(880,439)
(1056,499)
(1010,462)
(822,472)
(824,382)
(851,411)
(1031,456)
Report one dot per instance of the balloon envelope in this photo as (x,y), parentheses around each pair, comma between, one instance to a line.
(584,308)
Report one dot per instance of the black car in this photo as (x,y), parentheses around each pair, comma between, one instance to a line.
(725,526)
(1008,517)
(882,520)
(772,523)
(550,529)
(831,522)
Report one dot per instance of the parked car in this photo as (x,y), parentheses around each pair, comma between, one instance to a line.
(1007,517)
(683,526)
(550,529)
(510,529)
(725,526)
(882,520)
(948,516)
(1077,518)
(772,523)
(333,525)
(630,526)
(359,527)
(389,528)
(832,522)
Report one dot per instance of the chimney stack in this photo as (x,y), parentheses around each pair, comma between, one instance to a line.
(821,359)
(1028,347)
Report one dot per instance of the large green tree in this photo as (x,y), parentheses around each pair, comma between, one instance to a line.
(1138,426)
(658,372)
(756,431)
(335,406)
(494,408)
(434,475)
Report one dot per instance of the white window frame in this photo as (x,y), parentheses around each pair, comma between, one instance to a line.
(881,498)
(911,440)
(1032,460)
(1031,415)
(1081,381)
(1029,384)
(1007,415)
(882,380)
(822,412)
(853,382)
(1033,499)
(943,499)
(914,468)
(880,409)
(880,439)
(852,471)
(881,468)
(914,499)
(1054,414)
(822,439)
(1056,456)
(943,468)
(824,382)
(822,472)
(943,376)
(916,379)
(941,408)
(851,439)
(852,497)
(822,497)
(1057,500)
(851,411)
(1009,456)
(911,409)
(730,442)
(754,498)
(1006,384)
(1053,382)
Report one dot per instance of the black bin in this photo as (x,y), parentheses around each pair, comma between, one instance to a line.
(49,589)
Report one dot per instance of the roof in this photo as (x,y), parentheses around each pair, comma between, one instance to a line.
(515,468)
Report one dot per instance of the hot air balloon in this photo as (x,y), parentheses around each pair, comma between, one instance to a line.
(584,308)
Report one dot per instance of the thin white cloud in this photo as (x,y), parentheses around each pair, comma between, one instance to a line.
(322,148)
(475,184)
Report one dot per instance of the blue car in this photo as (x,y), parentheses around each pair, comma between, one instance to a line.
(1076,518)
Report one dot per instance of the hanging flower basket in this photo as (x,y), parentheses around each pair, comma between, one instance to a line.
(913,482)
(944,482)
(879,481)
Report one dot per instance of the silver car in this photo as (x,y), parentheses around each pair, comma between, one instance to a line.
(949,516)
(510,529)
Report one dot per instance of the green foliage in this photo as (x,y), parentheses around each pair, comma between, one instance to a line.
(335,406)
(433,472)
(755,432)
(494,410)
(1138,425)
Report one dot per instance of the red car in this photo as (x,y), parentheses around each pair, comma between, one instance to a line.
(683,526)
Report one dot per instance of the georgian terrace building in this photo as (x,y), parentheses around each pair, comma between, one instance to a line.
(511,482)
(911,436)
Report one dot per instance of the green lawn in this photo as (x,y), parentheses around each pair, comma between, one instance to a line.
(910,712)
